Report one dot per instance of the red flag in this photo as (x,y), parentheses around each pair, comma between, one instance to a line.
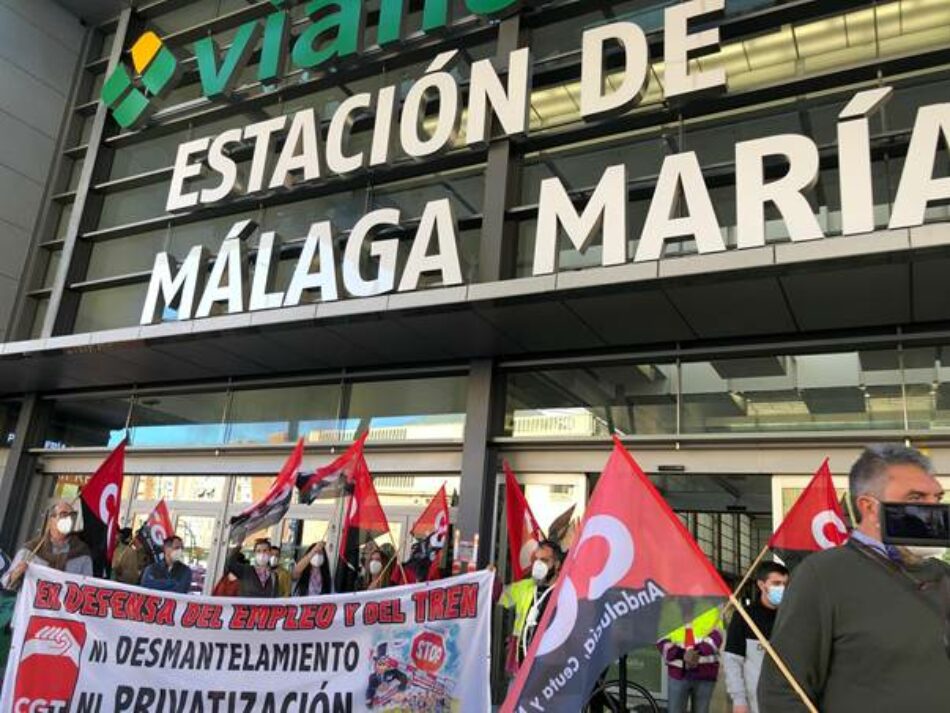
(364,521)
(274,505)
(523,531)
(434,519)
(100,508)
(815,522)
(156,529)
(633,576)
(332,480)
(365,512)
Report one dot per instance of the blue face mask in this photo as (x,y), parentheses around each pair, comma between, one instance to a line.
(775,594)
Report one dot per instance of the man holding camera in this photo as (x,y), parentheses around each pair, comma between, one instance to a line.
(863,626)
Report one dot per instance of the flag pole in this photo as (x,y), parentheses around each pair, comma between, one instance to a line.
(792,681)
(396,554)
(747,576)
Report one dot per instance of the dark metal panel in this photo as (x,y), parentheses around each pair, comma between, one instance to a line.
(542,326)
(733,308)
(632,317)
(849,296)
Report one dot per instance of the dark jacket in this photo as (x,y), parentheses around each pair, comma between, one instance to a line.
(249,584)
(302,585)
(158,576)
(861,633)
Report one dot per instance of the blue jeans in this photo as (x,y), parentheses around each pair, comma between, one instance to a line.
(700,692)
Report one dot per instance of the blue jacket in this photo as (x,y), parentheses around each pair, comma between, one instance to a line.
(158,576)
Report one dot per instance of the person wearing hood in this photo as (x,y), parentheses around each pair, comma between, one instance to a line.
(170,574)
(528,598)
(743,655)
(58,547)
(422,565)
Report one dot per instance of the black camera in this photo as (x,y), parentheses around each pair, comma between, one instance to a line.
(915,524)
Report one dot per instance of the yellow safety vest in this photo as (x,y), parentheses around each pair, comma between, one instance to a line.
(520,597)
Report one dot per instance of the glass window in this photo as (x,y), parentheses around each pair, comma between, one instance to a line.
(171,420)
(39,317)
(251,488)
(67,487)
(87,422)
(122,256)
(110,308)
(845,391)
(210,233)
(52,266)
(409,409)
(283,415)
(181,488)
(297,536)
(197,536)
(596,401)
(62,225)
(133,205)
(141,156)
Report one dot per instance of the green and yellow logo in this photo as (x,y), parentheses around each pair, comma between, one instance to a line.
(156,71)
(335,32)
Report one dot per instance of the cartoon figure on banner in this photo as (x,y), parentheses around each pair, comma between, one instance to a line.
(417,672)
(387,682)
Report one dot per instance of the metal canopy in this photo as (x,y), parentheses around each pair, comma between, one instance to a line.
(877,280)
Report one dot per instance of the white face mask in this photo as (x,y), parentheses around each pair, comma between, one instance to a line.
(177,555)
(261,558)
(375,567)
(274,560)
(318,559)
(539,571)
(64,525)
(925,552)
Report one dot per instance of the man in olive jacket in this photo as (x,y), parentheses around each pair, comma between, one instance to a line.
(862,626)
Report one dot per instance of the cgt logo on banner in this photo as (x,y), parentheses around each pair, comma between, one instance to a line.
(49,665)
(92,645)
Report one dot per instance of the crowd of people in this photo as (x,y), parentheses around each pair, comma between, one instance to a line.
(862,626)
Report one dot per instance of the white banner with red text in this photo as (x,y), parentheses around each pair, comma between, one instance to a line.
(90,645)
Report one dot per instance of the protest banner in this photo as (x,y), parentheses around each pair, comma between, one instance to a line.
(83,644)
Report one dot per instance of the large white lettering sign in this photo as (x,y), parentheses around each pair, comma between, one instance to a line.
(497,104)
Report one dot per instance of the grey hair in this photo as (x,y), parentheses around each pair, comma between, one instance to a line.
(868,475)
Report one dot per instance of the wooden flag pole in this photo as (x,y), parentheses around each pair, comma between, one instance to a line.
(748,575)
(792,681)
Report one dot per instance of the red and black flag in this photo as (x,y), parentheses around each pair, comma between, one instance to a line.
(364,521)
(100,509)
(433,523)
(524,535)
(333,480)
(156,530)
(274,505)
(633,576)
(814,523)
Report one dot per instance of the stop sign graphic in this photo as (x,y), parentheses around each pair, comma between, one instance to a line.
(428,651)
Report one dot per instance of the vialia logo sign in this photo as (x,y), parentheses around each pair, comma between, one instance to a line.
(334,31)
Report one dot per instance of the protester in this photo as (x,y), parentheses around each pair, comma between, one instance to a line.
(58,547)
(691,654)
(256,579)
(742,658)
(312,572)
(528,597)
(130,558)
(422,565)
(228,585)
(283,576)
(862,626)
(379,567)
(170,574)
